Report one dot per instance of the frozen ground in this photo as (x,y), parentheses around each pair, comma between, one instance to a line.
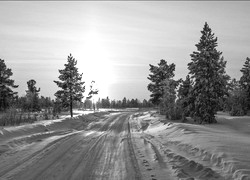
(94,146)
(126,145)
(189,151)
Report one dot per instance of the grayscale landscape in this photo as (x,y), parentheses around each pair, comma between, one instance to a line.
(124,90)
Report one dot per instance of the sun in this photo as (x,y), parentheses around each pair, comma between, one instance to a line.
(94,61)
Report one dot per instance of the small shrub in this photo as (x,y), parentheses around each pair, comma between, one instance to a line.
(174,113)
(46,117)
(9,117)
(12,117)
(237,110)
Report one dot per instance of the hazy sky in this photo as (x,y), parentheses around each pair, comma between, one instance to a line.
(114,42)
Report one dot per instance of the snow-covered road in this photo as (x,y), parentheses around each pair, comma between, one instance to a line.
(126,145)
(103,150)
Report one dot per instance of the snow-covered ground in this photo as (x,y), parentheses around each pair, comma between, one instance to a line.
(42,123)
(151,147)
(93,146)
(191,151)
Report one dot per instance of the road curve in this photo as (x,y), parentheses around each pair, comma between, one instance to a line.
(105,152)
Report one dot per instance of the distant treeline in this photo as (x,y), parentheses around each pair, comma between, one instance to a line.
(124,103)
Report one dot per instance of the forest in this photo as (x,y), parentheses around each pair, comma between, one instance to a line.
(206,89)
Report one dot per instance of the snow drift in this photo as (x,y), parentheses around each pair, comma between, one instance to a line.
(216,151)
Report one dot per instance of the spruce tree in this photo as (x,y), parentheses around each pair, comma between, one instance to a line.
(169,98)
(124,102)
(6,85)
(236,103)
(107,101)
(183,96)
(207,69)
(245,79)
(157,77)
(71,84)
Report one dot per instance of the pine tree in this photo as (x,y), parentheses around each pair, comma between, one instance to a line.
(98,104)
(236,102)
(245,79)
(124,102)
(128,103)
(57,107)
(208,72)
(157,77)
(71,84)
(6,85)
(183,96)
(32,96)
(169,98)
(107,101)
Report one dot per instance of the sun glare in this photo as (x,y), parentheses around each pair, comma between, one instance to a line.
(94,62)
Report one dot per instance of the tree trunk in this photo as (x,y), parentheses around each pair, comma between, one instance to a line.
(71,106)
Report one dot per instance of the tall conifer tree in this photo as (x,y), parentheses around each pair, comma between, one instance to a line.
(169,98)
(71,84)
(207,69)
(6,85)
(157,77)
(32,96)
(183,95)
(245,79)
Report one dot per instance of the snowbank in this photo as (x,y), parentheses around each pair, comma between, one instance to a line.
(14,136)
(217,151)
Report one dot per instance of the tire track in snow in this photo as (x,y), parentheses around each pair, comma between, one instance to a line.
(107,153)
(28,159)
